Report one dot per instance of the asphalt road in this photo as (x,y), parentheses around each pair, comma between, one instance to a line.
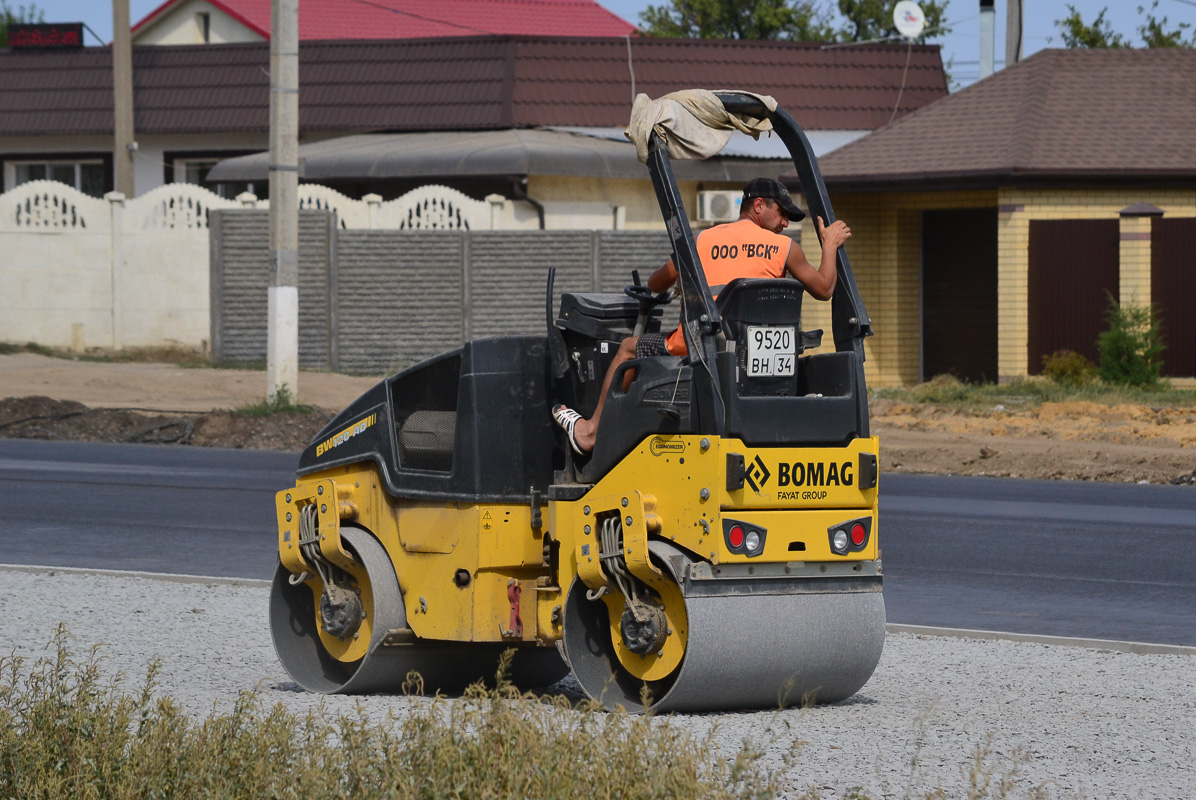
(1107,561)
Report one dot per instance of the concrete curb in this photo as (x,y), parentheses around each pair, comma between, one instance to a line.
(1139,648)
(153,576)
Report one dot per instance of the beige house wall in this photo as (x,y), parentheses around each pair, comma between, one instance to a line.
(886,252)
(1019,206)
(571,202)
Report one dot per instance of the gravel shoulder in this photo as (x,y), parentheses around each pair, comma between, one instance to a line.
(1089,723)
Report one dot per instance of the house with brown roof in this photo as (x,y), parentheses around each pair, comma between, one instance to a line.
(230,21)
(197,105)
(991,226)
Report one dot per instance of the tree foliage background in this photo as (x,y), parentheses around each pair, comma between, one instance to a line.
(17,15)
(794,20)
(1155,31)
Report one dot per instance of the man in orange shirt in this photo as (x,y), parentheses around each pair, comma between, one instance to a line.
(751,247)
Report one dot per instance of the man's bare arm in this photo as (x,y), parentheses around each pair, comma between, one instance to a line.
(663,278)
(820,282)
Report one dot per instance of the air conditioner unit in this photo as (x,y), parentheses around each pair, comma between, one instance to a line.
(719,206)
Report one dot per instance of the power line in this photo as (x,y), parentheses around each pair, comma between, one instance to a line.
(403,13)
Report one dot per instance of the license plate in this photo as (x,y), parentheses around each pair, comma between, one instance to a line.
(771,351)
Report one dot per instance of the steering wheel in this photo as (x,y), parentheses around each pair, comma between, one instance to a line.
(645,296)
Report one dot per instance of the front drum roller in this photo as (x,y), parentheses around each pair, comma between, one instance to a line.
(759,650)
(323,663)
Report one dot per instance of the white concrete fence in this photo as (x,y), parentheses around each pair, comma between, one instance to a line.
(77,271)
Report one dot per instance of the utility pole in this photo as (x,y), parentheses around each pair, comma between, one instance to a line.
(282,332)
(124,145)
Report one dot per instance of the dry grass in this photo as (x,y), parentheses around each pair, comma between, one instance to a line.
(166,354)
(946,390)
(66,731)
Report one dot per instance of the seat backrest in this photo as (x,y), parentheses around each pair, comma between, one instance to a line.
(760,301)
(762,321)
(773,396)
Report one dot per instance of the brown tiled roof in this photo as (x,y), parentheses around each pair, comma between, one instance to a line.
(1060,114)
(457,83)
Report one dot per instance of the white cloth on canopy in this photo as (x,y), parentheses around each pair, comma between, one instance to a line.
(693,123)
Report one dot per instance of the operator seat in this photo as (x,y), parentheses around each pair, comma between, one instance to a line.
(800,401)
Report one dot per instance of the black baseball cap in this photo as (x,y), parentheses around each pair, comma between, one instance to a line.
(773,190)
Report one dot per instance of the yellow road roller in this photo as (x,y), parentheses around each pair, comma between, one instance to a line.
(717,549)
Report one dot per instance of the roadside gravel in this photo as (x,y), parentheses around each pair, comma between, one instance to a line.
(1092,723)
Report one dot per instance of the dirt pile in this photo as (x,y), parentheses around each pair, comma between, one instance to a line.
(44,418)
(1072,441)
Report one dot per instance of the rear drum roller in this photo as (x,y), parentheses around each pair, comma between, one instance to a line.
(759,650)
(362,660)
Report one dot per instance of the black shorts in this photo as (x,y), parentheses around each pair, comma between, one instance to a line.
(651,345)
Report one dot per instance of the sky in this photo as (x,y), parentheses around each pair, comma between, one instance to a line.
(960,48)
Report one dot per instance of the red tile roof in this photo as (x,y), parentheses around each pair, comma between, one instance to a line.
(466,83)
(1060,114)
(418,19)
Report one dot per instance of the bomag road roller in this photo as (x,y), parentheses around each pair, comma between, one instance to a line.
(716,550)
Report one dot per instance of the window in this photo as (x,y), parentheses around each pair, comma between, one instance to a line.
(195,170)
(204,23)
(86,176)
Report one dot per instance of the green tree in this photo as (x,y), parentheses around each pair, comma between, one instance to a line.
(17,15)
(1155,32)
(1078,34)
(796,20)
(1131,350)
(873,19)
(733,19)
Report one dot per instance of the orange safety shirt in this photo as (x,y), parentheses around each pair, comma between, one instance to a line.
(736,250)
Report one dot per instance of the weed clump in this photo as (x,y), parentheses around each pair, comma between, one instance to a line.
(66,731)
(1069,368)
(281,402)
(944,389)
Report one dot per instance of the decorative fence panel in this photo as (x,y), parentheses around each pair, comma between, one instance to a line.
(428,208)
(56,274)
(397,297)
(79,271)
(164,265)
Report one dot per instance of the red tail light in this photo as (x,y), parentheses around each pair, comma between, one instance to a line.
(850,536)
(735,536)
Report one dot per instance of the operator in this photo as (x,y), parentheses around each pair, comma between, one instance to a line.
(751,247)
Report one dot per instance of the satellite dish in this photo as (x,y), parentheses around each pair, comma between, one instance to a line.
(909,19)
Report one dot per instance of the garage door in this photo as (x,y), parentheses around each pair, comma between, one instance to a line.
(1073,263)
(959,294)
(1173,290)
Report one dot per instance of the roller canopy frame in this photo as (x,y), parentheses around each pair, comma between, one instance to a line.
(700,321)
